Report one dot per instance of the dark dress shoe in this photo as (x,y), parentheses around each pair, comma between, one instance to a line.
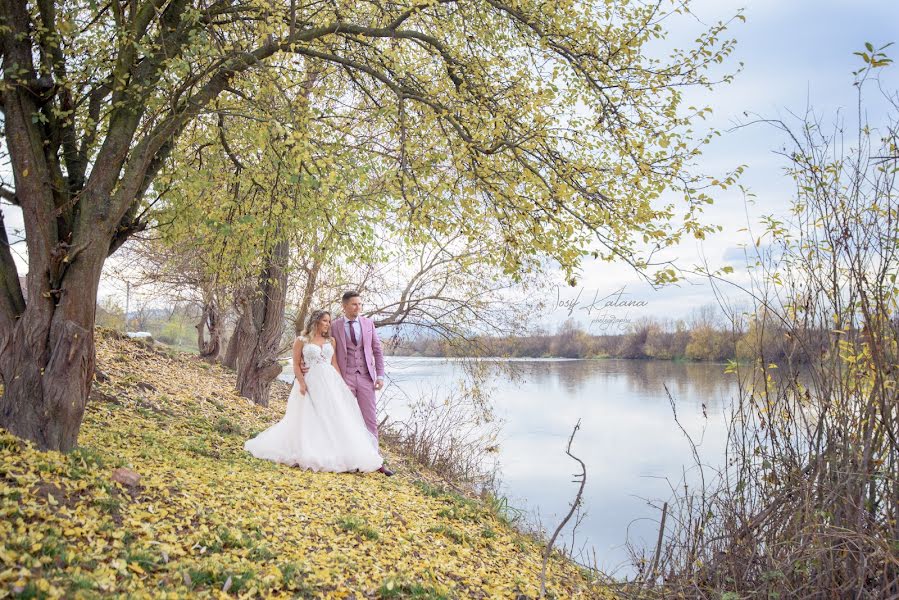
(385,470)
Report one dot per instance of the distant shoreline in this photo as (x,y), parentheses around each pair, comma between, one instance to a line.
(563,359)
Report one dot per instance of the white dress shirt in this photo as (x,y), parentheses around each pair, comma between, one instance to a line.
(357,328)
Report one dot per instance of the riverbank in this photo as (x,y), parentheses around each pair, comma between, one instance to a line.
(160,500)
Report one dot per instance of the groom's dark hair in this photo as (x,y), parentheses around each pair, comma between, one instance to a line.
(350,294)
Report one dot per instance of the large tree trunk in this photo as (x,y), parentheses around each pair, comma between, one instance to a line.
(232,352)
(209,350)
(73,221)
(260,327)
(230,358)
(46,343)
(47,361)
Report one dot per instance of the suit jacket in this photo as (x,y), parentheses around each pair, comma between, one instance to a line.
(371,345)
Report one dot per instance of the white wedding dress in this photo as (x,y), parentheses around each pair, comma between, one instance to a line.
(322,430)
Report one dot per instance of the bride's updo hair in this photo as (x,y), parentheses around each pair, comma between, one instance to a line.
(314,318)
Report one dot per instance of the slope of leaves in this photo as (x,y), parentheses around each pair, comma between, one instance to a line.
(209,520)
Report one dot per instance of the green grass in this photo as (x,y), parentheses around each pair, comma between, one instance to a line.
(450,532)
(201,448)
(449,495)
(352,523)
(176,349)
(401,589)
(9,442)
(109,504)
(500,508)
(144,560)
(80,583)
(261,553)
(31,591)
(82,460)
(293,577)
(226,426)
(225,539)
(54,548)
(215,578)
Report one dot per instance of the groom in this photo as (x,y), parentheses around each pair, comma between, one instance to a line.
(360,359)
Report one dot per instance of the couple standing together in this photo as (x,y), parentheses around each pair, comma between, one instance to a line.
(331,420)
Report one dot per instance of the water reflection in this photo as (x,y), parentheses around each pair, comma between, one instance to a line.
(628,438)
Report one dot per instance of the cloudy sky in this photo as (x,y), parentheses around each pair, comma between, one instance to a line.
(796,53)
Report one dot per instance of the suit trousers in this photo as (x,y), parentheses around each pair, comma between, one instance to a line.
(364,389)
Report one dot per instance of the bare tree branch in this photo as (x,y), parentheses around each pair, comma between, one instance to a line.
(581,479)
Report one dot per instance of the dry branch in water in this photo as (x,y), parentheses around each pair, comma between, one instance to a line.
(578,478)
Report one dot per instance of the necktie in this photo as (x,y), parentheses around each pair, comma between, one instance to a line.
(353,334)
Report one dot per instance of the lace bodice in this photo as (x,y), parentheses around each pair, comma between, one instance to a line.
(314,354)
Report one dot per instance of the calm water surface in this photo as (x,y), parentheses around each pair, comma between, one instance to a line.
(628,439)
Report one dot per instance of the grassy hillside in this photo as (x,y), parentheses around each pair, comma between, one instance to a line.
(207,519)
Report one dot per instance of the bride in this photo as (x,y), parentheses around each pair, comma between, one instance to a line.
(322,429)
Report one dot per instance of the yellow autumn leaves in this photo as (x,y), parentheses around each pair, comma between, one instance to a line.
(208,520)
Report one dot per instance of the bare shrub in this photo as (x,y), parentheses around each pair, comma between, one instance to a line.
(806,503)
(450,432)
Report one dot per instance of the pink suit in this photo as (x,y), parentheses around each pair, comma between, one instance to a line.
(360,365)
